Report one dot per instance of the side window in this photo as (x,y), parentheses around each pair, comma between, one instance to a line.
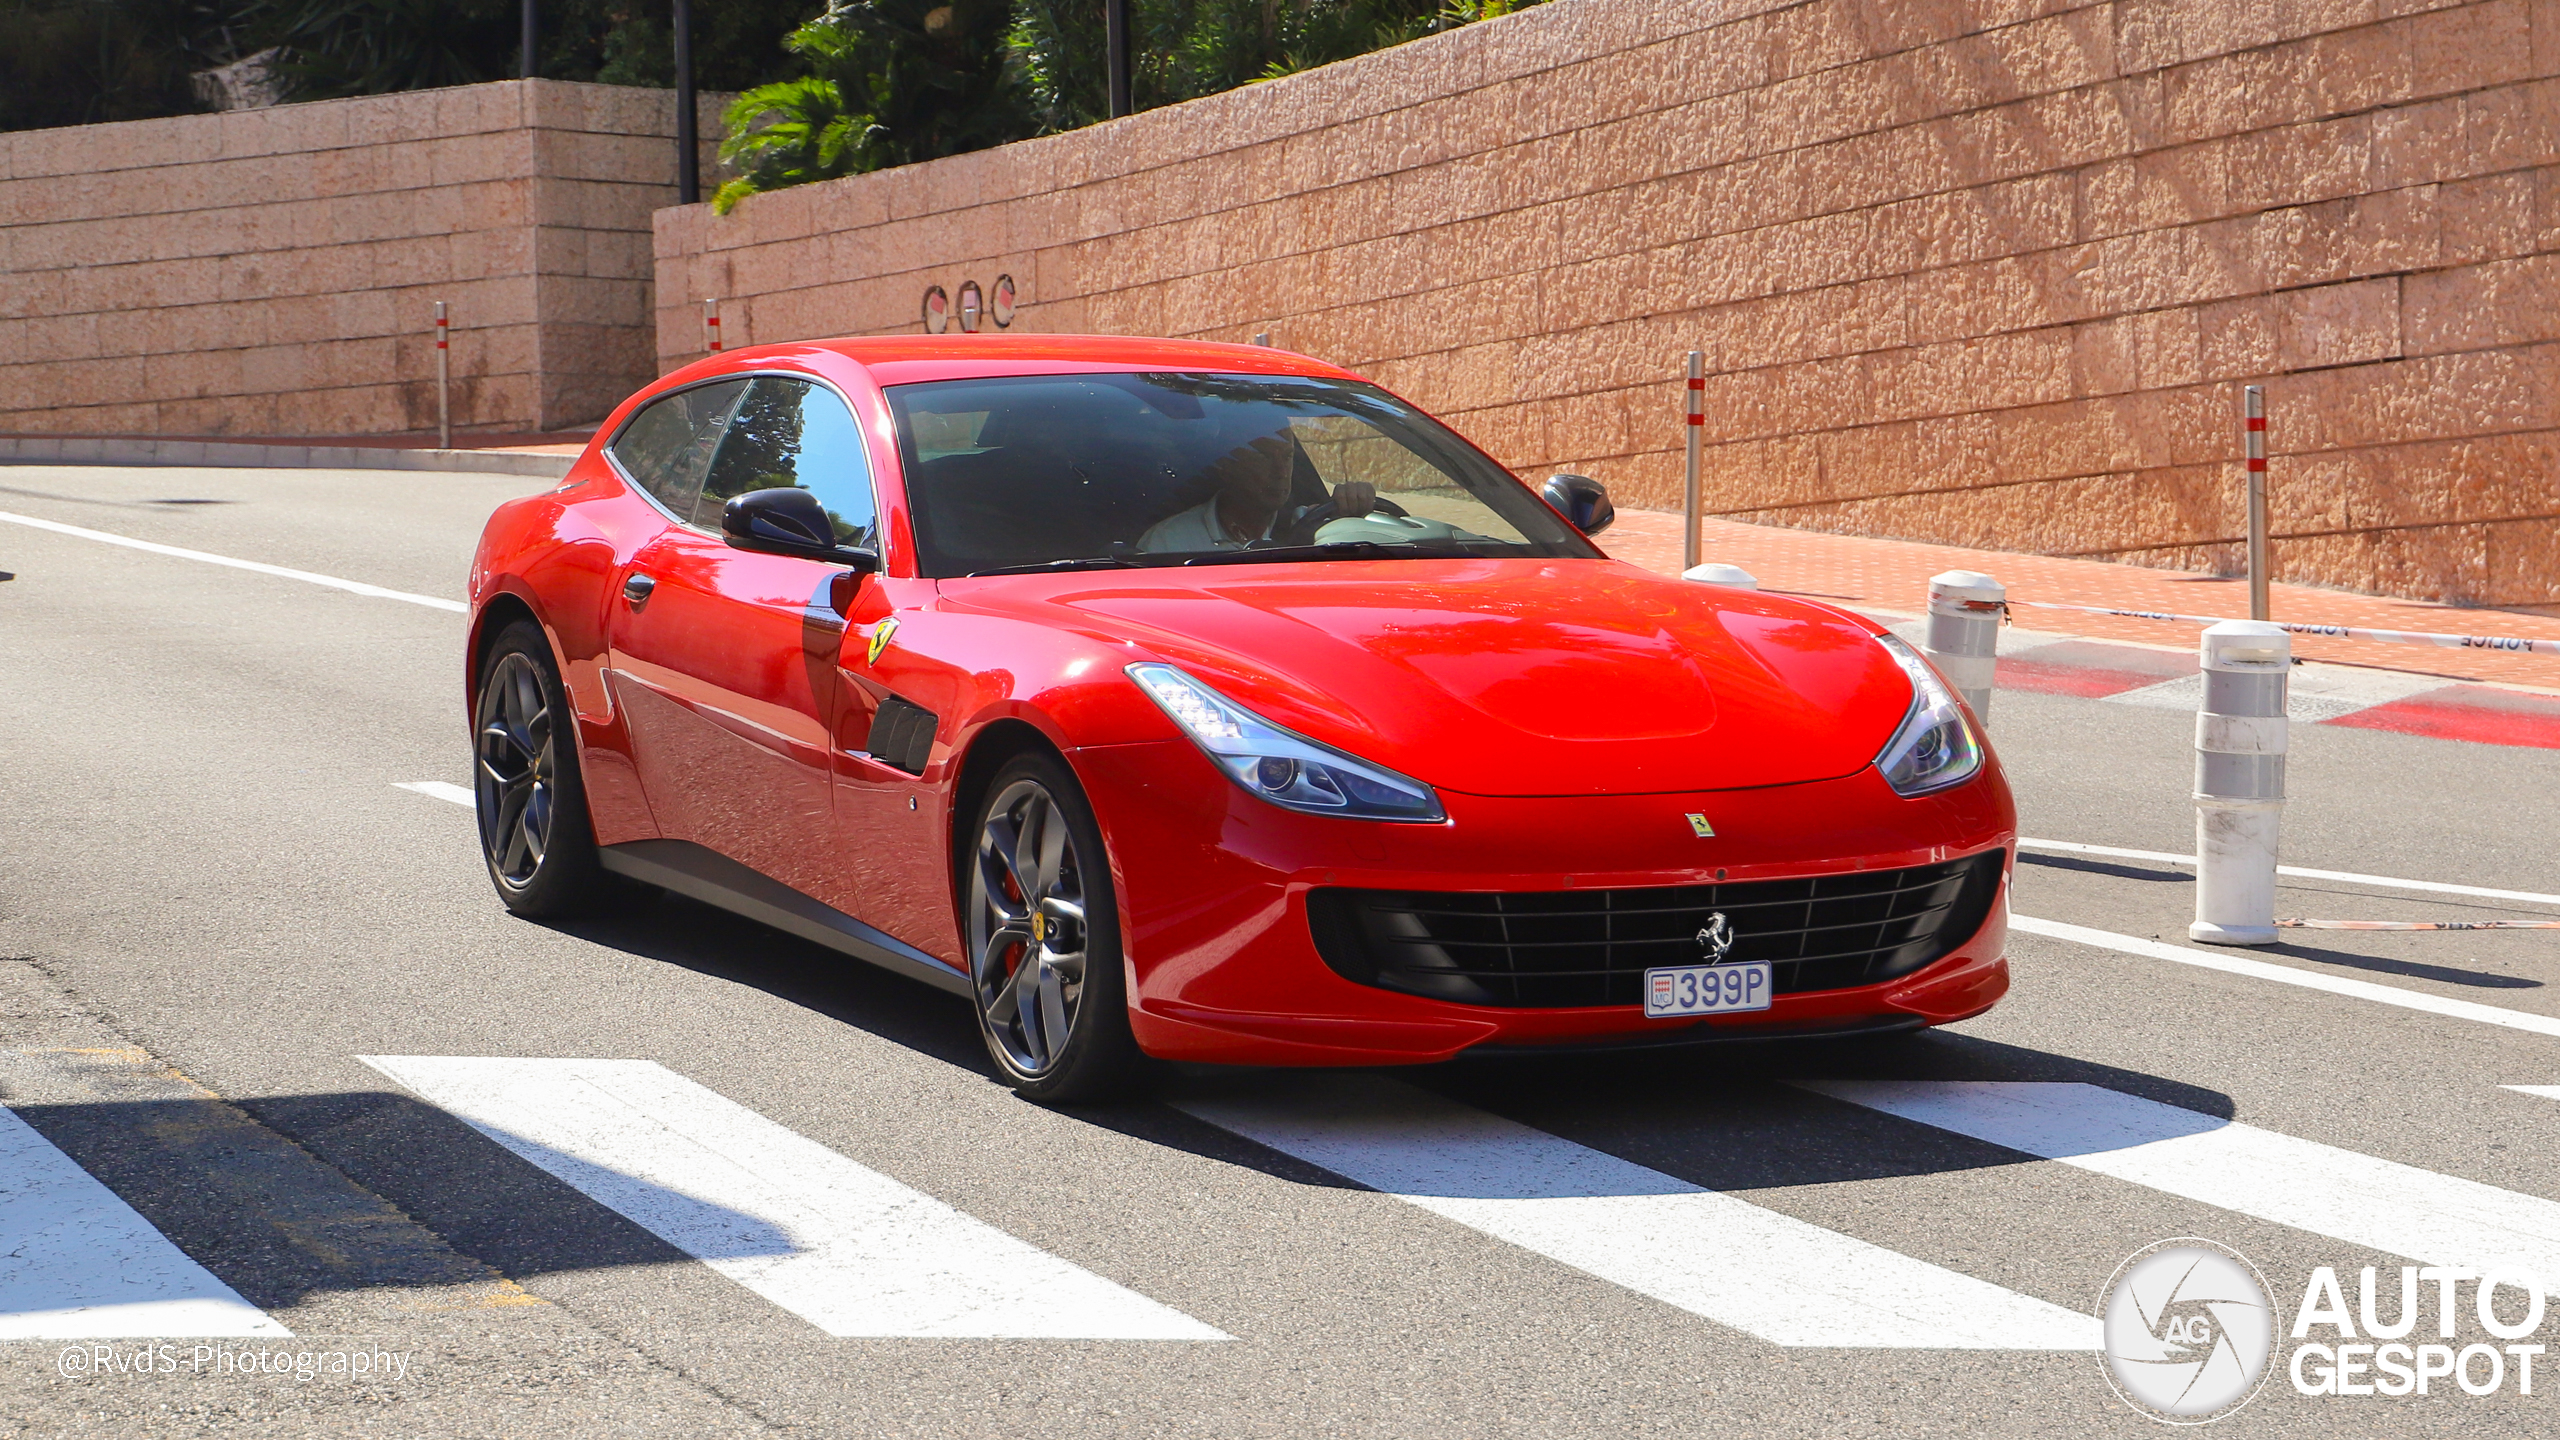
(794,432)
(667,447)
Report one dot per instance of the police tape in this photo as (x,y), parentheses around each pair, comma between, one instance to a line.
(2418,924)
(2511,644)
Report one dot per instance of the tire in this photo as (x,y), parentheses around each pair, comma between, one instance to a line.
(1043,934)
(535,835)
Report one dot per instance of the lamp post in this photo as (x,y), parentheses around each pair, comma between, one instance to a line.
(1115,15)
(526,68)
(688,157)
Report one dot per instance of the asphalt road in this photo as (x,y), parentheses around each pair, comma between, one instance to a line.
(213,899)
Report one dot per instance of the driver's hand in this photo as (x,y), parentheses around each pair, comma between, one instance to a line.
(1354,497)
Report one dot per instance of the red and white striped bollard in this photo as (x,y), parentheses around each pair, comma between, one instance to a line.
(444,382)
(1689,499)
(2253,406)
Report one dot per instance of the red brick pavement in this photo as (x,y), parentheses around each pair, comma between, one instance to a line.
(1860,570)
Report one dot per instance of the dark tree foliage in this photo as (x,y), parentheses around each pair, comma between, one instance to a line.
(373,47)
(1184,49)
(888,82)
(72,62)
(864,84)
(368,47)
(77,62)
(894,81)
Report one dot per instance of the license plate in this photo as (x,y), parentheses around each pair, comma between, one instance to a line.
(1681,990)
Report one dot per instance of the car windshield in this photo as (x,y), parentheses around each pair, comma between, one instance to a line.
(1074,471)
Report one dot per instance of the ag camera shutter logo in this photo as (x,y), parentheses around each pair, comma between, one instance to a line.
(2188,1329)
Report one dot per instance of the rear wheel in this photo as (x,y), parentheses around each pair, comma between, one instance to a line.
(1044,939)
(534,831)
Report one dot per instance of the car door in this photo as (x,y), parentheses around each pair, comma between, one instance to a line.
(662,452)
(725,659)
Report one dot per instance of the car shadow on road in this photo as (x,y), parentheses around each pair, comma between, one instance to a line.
(1723,1117)
(673,930)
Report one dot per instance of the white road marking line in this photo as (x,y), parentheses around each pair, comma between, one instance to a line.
(2379,1204)
(2285,975)
(2547,1092)
(78,1263)
(1752,1269)
(441,790)
(2384,882)
(844,1247)
(2318,693)
(353,587)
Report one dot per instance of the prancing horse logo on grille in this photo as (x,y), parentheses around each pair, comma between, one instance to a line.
(1716,938)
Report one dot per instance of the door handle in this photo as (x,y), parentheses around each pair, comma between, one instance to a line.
(636,587)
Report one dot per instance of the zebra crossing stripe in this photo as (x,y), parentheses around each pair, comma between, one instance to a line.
(2379,1204)
(1752,1269)
(77,1263)
(844,1247)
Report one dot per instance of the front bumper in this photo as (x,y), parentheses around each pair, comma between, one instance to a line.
(1223,966)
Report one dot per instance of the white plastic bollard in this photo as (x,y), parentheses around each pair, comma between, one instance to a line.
(1714,573)
(1964,634)
(2240,749)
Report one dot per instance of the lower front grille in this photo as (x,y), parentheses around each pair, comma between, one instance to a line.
(1569,949)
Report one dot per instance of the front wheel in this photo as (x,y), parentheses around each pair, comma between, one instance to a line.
(1044,939)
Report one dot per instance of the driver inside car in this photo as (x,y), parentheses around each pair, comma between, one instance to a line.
(1251,505)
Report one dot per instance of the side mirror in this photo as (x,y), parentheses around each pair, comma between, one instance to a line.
(789,521)
(1581,500)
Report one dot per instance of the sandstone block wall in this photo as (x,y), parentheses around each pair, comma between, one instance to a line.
(1988,272)
(274,272)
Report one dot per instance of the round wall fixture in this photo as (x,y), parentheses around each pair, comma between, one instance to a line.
(1002,309)
(971,307)
(937,310)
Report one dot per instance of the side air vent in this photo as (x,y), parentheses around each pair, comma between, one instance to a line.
(902,734)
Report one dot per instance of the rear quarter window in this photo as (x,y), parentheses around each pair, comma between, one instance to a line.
(667,447)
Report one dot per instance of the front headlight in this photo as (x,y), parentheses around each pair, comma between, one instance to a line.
(1281,766)
(1935,747)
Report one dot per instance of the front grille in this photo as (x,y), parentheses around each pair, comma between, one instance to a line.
(1567,949)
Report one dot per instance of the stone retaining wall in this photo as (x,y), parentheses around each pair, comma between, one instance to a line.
(1987,272)
(274,272)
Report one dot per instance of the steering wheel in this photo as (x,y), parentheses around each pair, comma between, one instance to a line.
(1304,531)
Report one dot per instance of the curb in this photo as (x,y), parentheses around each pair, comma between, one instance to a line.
(102,450)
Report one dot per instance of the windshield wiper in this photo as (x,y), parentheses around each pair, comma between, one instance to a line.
(1337,550)
(1080,562)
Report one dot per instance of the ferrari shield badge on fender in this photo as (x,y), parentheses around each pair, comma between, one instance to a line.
(1697,823)
(880,641)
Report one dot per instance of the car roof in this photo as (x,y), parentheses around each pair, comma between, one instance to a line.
(905,359)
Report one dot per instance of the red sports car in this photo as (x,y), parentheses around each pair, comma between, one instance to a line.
(1208,702)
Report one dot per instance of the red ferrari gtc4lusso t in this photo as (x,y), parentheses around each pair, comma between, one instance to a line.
(1208,702)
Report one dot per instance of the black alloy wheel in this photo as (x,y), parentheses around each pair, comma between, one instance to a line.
(1044,939)
(534,831)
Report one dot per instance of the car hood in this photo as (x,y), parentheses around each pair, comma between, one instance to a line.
(1511,677)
